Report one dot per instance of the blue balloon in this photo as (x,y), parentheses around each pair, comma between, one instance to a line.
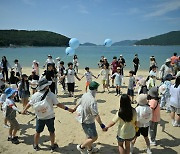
(74,43)
(70,51)
(108,42)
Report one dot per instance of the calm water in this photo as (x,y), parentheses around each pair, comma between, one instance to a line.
(89,56)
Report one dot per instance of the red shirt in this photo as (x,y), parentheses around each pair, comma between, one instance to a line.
(114,66)
(174,59)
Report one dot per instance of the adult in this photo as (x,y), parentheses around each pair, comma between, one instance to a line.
(50,60)
(88,114)
(17,68)
(5,65)
(35,66)
(122,64)
(152,63)
(114,66)
(136,63)
(174,62)
(106,62)
(58,63)
(51,74)
(48,120)
(75,62)
(165,69)
(101,62)
(33,78)
(175,102)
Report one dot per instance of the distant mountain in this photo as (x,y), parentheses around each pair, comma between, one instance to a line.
(171,38)
(32,38)
(125,43)
(88,44)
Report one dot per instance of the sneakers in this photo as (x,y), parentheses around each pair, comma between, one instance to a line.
(82,151)
(172,122)
(54,147)
(153,143)
(116,94)
(5,126)
(9,138)
(36,147)
(175,124)
(149,151)
(15,140)
(93,150)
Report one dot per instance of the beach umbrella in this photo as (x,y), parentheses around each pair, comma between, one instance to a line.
(74,43)
(69,51)
(107,42)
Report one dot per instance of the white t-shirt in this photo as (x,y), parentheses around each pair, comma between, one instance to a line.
(175,96)
(88,76)
(104,73)
(2,98)
(118,78)
(50,98)
(18,68)
(144,115)
(70,73)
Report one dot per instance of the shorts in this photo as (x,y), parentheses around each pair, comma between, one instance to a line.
(122,140)
(24,94)
(41,123)
(90,130)
(143,131)
(13,123)
(87,84)
(70,87)
(174,109)
(130,92)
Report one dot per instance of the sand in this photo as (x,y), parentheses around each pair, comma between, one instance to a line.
(69,132)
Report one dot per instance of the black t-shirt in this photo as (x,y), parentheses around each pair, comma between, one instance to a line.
(33,77)
(13,80)
(49,74)
(136,61)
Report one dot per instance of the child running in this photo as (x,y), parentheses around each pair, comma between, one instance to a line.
(105,77)
(118,81)
(126,119)
(154,105)
(144,115)
(88,76)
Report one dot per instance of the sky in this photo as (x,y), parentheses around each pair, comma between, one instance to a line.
(93,20)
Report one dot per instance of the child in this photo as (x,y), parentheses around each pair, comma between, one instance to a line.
(142,87)
(105,77)
(144,115)
(17,68)
(10,107)
(88,76)
(23,88)
(154,105)
(175,102)
(151,81)
(33,78)
(118,80)
(166,95)
(131,84)
(126,119)
(35,66)
(61,71)
(13,80)
(70,73)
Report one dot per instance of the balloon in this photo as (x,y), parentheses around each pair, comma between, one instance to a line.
(108,42)
(69,51)
(74,43)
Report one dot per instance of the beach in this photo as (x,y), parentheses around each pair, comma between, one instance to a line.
(69,132)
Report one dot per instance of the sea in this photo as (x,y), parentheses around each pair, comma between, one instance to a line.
(90,55)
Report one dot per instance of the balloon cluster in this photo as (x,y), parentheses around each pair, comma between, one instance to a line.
(74,44)
(107,42)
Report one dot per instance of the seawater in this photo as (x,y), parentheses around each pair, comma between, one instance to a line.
(90,55)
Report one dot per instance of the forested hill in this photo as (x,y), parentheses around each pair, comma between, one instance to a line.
(171,38)
(31,38)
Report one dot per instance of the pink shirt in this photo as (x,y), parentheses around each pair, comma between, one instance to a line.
(155,113)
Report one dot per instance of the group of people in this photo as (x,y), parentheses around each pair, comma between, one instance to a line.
(131,122)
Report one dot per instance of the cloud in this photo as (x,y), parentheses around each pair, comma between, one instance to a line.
(82,9)
(164,8)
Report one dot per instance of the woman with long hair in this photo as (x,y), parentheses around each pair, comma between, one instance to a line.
(5,65)
(76,64)
(126,118)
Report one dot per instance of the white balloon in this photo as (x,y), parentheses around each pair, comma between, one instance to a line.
(107,42)
(70,51)
(74,43)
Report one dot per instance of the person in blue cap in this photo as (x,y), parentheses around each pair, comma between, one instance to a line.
(10,107)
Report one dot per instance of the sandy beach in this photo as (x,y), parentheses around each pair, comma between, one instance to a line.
(69,132)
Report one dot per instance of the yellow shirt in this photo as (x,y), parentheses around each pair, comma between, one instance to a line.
(126,130)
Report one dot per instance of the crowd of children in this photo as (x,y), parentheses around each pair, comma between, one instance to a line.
(132,122)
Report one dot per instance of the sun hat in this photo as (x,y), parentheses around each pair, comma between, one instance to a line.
(105,58)
(93,85)
(42,83)
(9,92)
(58,58)
(153,92)
(49,56)
(168,60)
(142,99)
(120,55)
(34,61)
(1,76)
(118,68)
(142,82)
(162,88)
(132,72)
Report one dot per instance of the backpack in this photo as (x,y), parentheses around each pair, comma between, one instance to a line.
(43,108)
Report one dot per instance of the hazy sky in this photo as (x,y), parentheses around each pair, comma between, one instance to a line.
(93,20)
